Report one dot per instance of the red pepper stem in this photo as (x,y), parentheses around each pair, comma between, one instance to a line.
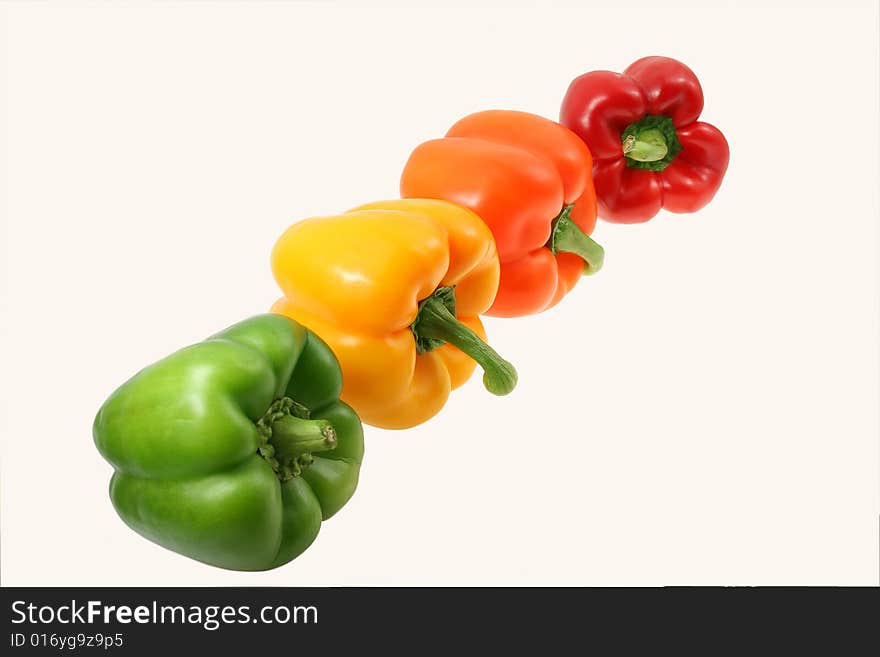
(568,237)
(650,146)
(651,143)
(437,324)
(294,436)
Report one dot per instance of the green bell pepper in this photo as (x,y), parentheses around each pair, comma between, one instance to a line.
(232,451)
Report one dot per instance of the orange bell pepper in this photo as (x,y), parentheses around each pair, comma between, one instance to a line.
(530,180)
(395,289)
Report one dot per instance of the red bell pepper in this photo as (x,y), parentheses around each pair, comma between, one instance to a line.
(649,150)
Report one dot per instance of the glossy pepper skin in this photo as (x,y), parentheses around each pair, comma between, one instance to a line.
(232,451)
(529,179)
(649,150)
(396,289)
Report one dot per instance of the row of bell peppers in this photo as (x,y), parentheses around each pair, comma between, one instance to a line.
(234,450)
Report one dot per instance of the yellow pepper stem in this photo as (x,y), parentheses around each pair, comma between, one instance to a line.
(436,324)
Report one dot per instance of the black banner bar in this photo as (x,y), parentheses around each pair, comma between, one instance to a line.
(418,620)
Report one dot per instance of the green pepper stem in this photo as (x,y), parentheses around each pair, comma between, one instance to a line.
(436,324)
(567,236)
(293,436)
(649,147)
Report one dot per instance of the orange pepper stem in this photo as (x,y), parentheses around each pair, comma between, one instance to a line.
(436,324)
(567,236)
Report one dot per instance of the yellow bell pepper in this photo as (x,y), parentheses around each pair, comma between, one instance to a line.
(395,288)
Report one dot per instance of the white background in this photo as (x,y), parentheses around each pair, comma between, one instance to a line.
(702,412)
